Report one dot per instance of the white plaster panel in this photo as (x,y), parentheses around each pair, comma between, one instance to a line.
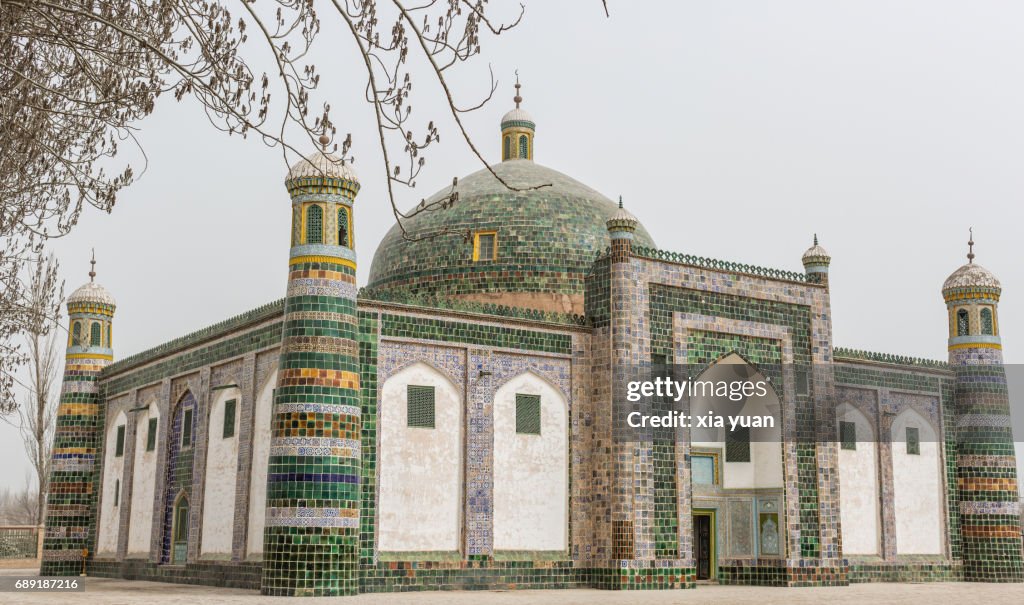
(530,471)
(420,493)
(917,488)
(260,461)
(140,529)
(113,480)
(858,487)
(765,467)
(221,471)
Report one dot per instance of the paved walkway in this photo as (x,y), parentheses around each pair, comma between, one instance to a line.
(120,592)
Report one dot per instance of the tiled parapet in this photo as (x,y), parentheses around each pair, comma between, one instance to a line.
(311,539)
(78,441)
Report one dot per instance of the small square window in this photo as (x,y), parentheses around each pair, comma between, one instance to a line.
(848,435)
(420,407)
(704,469)
(485,246)
(119,448)
(151,435)
(186,429)
(527,414)
(913,441)
(229,418)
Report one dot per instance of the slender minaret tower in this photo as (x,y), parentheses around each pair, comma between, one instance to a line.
(75,468)
(816,261)
(517,131)
(311,541)
(990,524)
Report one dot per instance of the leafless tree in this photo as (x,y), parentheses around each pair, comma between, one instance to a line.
(77,76)
(38,415)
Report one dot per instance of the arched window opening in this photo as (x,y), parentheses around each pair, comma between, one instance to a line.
(96,336)
(76,334)
(110,340)
(524,146)
(343,228)
(507,153)
(314,225)
(962,323)
(987,326)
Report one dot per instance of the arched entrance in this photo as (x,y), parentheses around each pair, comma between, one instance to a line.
(179,531)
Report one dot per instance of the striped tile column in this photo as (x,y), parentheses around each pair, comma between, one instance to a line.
(78,439)
(990,523)
(311,540)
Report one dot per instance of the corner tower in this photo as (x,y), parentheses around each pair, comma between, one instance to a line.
(816,261)
(77,442)
(517,130)
(311,540)
(990,524)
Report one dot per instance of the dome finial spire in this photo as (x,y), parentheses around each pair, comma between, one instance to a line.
(620,201)
(518,99)
(815,239)
(324,139)
(92,270)
(970,246)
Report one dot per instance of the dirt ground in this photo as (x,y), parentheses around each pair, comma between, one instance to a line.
(121,592)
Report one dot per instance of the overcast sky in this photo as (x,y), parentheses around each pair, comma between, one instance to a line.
(733,130)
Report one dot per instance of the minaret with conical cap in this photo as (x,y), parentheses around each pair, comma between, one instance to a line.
(311,540)
(517,131)
(75,467)
(816,261)
(990,523)
(621,229)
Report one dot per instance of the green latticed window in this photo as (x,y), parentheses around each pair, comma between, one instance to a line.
(76,334)
(314,225)
(913,441)
(527,414)
(524,147)
(848,435)
(507,152)
(229,418)
(151,435)
(119,447)
(186,429)
(343,228)
(737,445)
(986,322)
(420,406)
(96,334)
(963,324)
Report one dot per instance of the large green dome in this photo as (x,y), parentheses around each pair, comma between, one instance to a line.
(547,240)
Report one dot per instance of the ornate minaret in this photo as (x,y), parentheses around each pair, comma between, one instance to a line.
(311,541)
(75,469)
(517,130)
(990,525)
(816,261)
(621,227)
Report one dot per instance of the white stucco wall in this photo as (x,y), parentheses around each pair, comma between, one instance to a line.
(260,458)
(221,476)
(765,467)
(420,489)
(858,487)
(143,485)
(113,476)
(531,471)
(916,489)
